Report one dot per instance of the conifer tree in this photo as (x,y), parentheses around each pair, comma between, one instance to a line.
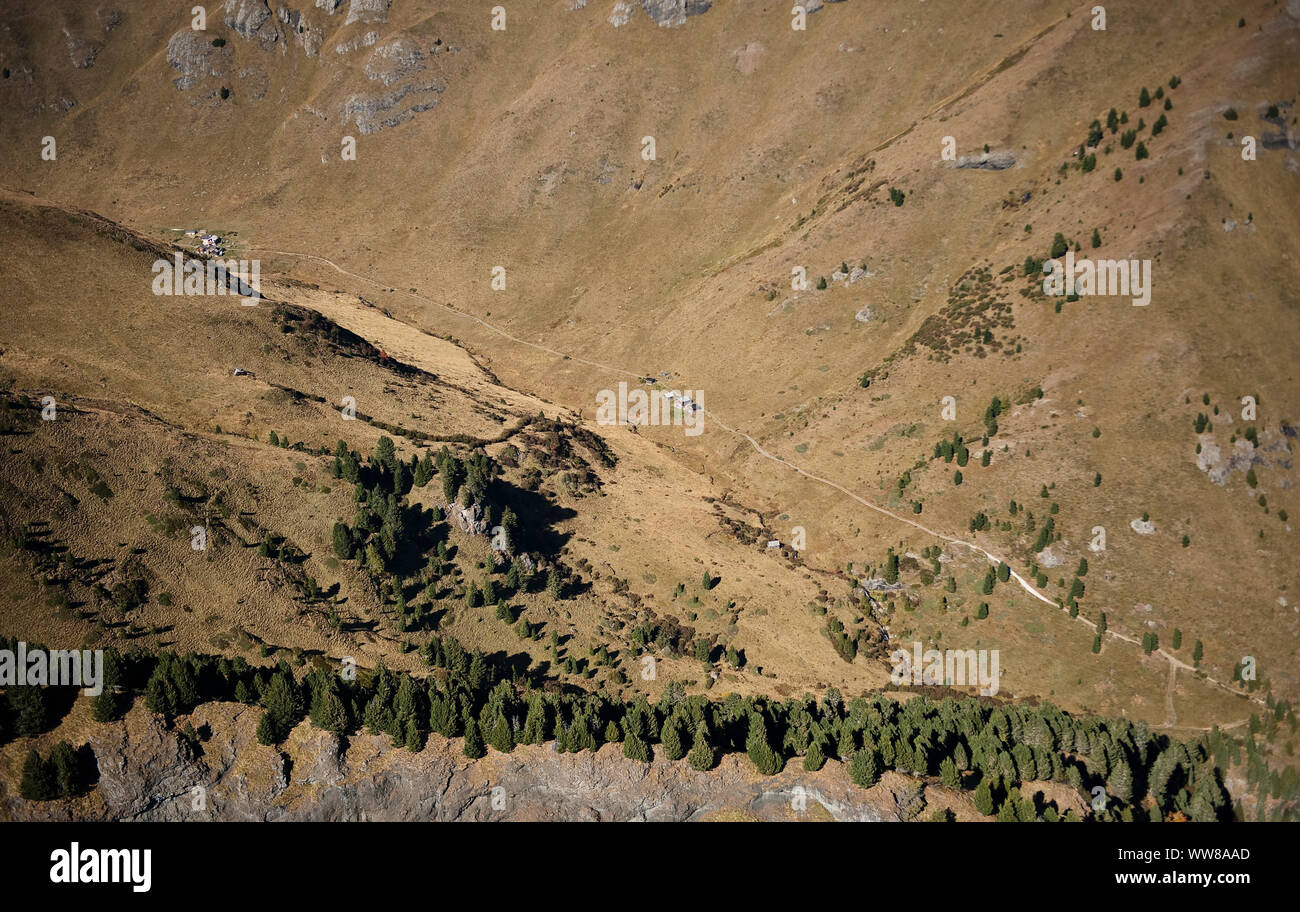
(534,722)
(283,704)
(1120,783)
(635,749)
(501,737)
(66,769)
(440,715)
(473,747)
(948,773)
(846,743)
(328,712)
(760,752)
(814,759)
(671,737)
(266,731)
(109,705)
(863,769)
(38,783)
(701,756)
(414,737)
(342,540)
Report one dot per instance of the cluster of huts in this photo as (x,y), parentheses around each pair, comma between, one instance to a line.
(209,244)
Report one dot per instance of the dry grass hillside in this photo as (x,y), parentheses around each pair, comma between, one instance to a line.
(774,150)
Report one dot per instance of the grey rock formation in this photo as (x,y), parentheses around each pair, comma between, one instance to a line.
(369,39)
(621,14)
(193,57)
(251,19)
(470,520)
(880,585)
(673,13)
(367,11)
(376,112)
(1211,460)
(394,61)
(307,36)
(987,161)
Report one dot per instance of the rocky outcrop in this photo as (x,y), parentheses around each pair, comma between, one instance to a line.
(471,520)
(622,14)
(396,65)
(673,13)
(1211,460)
(987,161)
(251,20)
(194,57)
(149,772)
(394,61)
(369,39)
(665,13)
(367,11)
(375,112)
(305,35)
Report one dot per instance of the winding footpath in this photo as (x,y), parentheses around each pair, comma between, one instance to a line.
(1174,663)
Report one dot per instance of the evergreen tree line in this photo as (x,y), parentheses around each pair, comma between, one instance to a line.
(966,742)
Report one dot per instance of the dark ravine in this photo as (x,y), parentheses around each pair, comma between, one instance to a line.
(148,772)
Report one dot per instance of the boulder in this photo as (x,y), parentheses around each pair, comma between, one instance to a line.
(193,57)
(367,11)
(673,13)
